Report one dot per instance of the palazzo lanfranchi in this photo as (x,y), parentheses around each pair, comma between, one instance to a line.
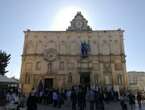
(77,56)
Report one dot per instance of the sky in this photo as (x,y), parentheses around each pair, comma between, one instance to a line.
(19,15)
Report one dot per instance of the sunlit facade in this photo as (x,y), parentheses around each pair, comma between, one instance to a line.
(76,56)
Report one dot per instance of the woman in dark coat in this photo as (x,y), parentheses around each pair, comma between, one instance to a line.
(32,102)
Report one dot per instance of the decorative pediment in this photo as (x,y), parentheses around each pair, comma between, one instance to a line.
(79,23)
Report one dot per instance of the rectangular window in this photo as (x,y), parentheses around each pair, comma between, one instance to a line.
(49,67)
(119,78)
(27,78)
(38,65)
(61,65)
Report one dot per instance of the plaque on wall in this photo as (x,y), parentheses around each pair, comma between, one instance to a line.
(50,54)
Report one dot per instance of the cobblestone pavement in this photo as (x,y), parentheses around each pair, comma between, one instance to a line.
(110,106)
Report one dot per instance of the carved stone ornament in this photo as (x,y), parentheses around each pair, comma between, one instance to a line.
(50,54)
(107,67)
(79,23)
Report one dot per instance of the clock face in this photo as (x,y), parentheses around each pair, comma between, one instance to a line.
(50,54)
(79,24)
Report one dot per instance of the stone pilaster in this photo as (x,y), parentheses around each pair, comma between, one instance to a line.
(125,76)
(113,75)
(101,74)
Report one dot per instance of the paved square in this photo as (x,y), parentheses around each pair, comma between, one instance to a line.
(110,106)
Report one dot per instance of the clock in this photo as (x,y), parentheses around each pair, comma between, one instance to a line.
(50,54)
(78,24)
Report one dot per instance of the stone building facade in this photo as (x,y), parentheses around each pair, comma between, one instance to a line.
(136,80)
(76,56)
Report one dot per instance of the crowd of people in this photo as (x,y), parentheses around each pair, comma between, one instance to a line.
(81,97)
(78,98)
(14,99)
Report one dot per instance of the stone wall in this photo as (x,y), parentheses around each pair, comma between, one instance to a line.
(106,58)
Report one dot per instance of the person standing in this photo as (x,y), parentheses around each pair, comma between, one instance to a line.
(73,99)
(132,101)
(68,95)
(139,100)
(122,102)
(55,98)
(91,98)
(99,100)
(81,98)
(32,102)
